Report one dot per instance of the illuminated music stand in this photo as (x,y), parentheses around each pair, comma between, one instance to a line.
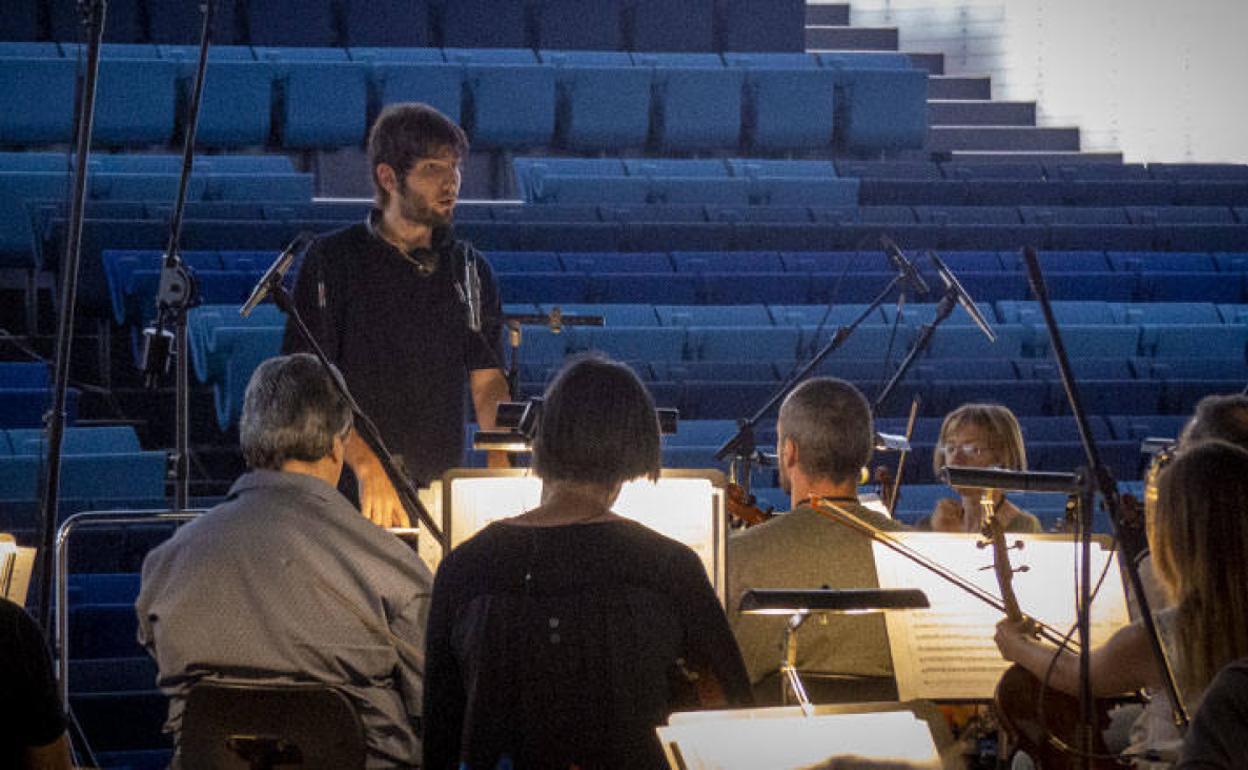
(801,604)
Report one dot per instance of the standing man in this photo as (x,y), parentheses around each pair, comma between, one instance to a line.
(392,303)
(285,582)
(824,439)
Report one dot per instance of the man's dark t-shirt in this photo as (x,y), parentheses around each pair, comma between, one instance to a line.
(399,334)
(30,709)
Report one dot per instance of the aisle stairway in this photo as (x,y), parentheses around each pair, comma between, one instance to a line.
(965,123)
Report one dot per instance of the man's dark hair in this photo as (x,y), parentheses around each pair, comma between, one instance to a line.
(597,425)
(1219,417)
(291,411)
(406,132)
(830,422)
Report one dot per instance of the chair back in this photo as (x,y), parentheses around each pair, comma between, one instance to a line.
(229,725)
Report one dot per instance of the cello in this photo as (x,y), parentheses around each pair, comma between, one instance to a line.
(1042,721)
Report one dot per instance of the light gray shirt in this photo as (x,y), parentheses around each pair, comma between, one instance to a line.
(803,549)
(286,582)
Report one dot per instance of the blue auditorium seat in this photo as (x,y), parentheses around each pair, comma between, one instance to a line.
(814,315)
(773,214)
(722,399)
(698,105)
(914,170)
(20,374)
(591,25)
(742,371)
(867,342)
(143,187)
(1210,194)
(1170,313)
(543,287)
(19,248)
(919,313)
(864,60)
(115,439)
(1233,313)
(1158,261)
(665,167)
(977,261)
(613,314)
(325,104)
(968,215)
(1210,237)
(15,48)
(437,84)
(954,341)
(660,288)
(611,263)
(789,109)
(661,25)
(512,105)
(881,109)
(727,262)
(941,369)
(755,168)
(405,24)
(49,83)
(655,212)
(1120,193)
(135,102)
(728,342)
(384,54)
(603,107)
(1225,341)
(1065,170)
(1199,369)
(701,433)
(1060,261)
(711,315)
(972,170)
(236,106)
(685,236)
(639,343)
(291,22)
(763,25)
(557,188)
(907,192)
(1165,215)
(1066,312)
(1084,369)
(1222,172)
(1015,192)
(804,191)
(541,345)
(522,261)
(1069,215)
(1092,341)
(482,23)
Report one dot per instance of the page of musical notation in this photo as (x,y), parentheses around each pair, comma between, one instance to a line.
(893,739)
(947,652)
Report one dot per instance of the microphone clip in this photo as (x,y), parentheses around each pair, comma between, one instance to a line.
(177,293)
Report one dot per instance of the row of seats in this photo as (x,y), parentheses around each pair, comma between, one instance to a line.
(25,396)
(1060,170)
(226,349)
(691,25)
(96,463)
(506,98)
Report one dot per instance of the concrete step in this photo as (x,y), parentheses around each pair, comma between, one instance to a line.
(1002,138)
(827,14)
(979,112)
(959,87)
(934,63)
(982,156)
(851,38)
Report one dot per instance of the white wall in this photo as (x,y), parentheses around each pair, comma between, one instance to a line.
(1160,80)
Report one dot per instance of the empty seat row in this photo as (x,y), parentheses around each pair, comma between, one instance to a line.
(693,25)
(1146,194)
(158,186)
(1054,171)
(505,98)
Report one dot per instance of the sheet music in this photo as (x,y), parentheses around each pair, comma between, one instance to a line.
(16,564)
(788,740)
(947,652)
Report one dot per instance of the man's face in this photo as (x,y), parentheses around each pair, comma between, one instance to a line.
(427,194)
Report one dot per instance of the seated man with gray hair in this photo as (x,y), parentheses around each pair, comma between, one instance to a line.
(285,581)
(824,439)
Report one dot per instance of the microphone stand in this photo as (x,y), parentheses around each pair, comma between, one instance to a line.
(555,320)
(944,308)
(178,293)
(1100,476)
(93,14)
(402,483)
(742,446)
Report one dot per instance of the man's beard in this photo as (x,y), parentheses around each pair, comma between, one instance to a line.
(416,211)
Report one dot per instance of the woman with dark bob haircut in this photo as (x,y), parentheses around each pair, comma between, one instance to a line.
(562,637)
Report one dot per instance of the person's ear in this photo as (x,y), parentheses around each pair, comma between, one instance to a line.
(386,178)
(788,453)
(338,449)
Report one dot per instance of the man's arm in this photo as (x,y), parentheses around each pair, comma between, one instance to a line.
(489,388)
(379,502)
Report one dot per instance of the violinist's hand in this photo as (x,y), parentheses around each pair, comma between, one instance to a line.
(1011,635)
(948,516)
(379,502)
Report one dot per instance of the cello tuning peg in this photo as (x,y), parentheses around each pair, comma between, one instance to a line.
(1023,568)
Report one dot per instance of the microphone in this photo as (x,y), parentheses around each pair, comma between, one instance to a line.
(1013,481)
(276,272)
(953,285)
(472,290)
(905,268)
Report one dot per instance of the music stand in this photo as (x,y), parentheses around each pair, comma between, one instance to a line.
(801,604)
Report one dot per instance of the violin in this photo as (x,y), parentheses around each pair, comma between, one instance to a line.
(1031,713)
(743,507)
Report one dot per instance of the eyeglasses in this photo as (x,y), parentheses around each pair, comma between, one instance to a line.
(964,450)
